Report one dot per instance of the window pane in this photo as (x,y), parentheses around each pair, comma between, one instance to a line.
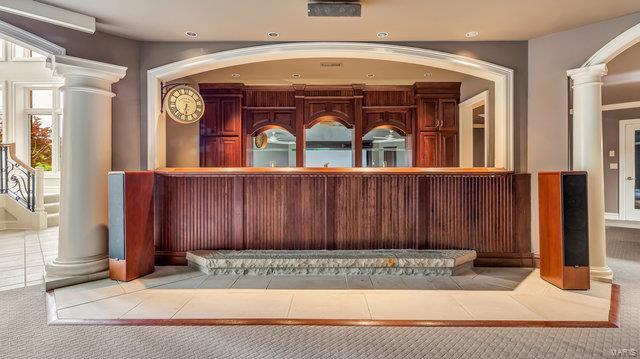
(41,141)
(41,98)
(20,52)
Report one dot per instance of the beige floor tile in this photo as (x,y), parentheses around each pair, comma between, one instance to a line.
(191,283)
(493,306)
(161,275)
(308,282)
(86,292)
(19,279)
(11,273)
(218,281)
(556,308)
(249,303)
(359,282)
(415,305)
(252,282)
(159,304)
(13,286)
(388,282)
(483,282)
(329,305)
(110,308)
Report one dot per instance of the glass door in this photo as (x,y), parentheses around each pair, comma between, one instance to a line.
(630,171)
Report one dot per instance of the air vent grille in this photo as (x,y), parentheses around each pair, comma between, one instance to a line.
(330,64)
(329,8)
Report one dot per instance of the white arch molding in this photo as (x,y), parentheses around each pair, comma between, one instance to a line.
(501,76)
(587,140)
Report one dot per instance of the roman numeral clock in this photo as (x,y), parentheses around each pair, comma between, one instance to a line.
(184,104)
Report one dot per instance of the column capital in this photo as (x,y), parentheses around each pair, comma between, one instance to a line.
(588,74)
(69,66)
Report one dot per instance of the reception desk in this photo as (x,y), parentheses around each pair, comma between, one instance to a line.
(343,208)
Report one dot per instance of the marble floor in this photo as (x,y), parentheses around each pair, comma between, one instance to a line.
(482,294)
(23,255)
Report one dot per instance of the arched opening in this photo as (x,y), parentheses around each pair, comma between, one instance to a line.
(272,146)
(386,146)
(328,143)
(501,77)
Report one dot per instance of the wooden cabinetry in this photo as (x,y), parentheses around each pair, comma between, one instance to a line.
(437,124)
(221,126)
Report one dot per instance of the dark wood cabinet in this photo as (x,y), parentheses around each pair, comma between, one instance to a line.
(221,152)
(448,114)
(427,114)
(428,149)
(448,149)
(222,117)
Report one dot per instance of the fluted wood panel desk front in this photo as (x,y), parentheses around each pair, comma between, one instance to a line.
(298,208)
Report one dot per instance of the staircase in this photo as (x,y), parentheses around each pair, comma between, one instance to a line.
(52,207)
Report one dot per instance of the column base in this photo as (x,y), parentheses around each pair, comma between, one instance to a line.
(64,268)
(602,274)
(52,282)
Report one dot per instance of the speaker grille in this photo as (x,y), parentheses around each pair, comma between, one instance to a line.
(116,216)
(575,218)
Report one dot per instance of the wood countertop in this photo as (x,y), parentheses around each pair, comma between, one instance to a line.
(329,170)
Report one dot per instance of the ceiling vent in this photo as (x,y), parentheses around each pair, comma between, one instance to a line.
(334,8)
(330,64)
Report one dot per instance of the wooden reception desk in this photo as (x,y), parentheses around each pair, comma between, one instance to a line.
(351,208)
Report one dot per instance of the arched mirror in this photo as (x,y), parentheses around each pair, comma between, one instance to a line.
(385,147)
(274,147)
(328,143)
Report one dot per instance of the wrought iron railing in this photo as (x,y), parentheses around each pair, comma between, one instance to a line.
(17,179)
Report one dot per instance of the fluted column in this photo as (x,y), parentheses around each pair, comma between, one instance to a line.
(587,156)
(86,161)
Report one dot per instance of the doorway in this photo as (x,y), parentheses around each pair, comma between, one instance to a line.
(629,170)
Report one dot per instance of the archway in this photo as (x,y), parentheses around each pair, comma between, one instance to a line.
(587,140)
(501,76)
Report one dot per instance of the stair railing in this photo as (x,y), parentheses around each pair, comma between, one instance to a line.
(20,181)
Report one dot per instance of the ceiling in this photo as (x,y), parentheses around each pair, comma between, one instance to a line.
(311,71)
(404,20)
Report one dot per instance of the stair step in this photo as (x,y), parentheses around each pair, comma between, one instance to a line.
(350,262)
(53,219)
(51,197)
(52,208)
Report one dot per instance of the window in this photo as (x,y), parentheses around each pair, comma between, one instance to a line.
(44,117)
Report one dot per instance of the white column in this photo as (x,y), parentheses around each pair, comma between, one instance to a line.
(86,161)
(587,156)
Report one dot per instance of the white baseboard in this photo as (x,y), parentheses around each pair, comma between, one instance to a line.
(622,224)
(611,216)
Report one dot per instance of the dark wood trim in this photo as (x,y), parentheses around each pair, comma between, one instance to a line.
(358,132)
(613,322)
(299,121)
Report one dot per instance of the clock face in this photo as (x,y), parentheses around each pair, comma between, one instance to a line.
(184,104)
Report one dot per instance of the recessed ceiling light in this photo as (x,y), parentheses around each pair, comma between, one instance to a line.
(383,34)
(235,75)
(428,74)
(191,34)
(472,34)
(371,75)
(296,76)
(273,34)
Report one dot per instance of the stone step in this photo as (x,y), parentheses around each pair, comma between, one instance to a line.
(53,220)
(350,262)
(52,208)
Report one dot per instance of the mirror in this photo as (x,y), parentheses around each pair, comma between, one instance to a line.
(328,144)
(273,148)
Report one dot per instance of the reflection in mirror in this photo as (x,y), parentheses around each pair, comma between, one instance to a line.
(385,147)
(273,148)
(479,137)
(328,144)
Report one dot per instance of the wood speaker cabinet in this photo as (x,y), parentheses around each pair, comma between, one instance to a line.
(564,229)
(131,248)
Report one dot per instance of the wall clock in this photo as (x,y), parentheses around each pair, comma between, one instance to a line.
(184,104)
(261,140)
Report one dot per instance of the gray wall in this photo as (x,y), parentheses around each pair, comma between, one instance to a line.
(511,54)
(611,139)
(111,49)
(549,58)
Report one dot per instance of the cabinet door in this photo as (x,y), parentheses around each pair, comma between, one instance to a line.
(209,151)
(427,155)
(427,114)
(448,114)
(230,149)
(210,118)
(448,151)
(230,117)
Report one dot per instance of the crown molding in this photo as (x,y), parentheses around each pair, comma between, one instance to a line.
(28,40)
(51,14)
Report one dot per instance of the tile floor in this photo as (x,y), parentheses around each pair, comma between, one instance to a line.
(23,255)
(481,294)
